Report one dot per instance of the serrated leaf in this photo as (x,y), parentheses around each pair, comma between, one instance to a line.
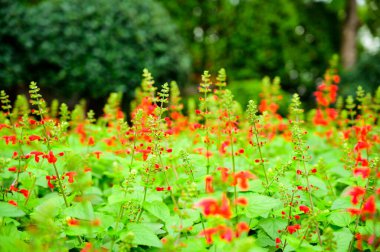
(340,219)
(343,238)
(158,209)
(341,203)
(82,210)
(144,235)
(261,205)
(8,210)
(271,226)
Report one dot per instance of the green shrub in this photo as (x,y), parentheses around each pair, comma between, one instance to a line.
(88,47)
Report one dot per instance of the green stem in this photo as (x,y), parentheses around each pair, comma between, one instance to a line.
(234,171)
(261,155)
(142,204)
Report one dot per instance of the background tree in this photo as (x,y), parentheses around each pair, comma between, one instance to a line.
(88,47)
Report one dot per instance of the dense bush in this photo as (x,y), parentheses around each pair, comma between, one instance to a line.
(88,46)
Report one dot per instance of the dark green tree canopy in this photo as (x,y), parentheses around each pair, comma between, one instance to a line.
(88,46)
(252,38)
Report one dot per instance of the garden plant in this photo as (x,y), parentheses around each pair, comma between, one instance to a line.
(213,176)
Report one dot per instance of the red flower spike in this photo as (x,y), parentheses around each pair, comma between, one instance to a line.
(278,240)
(209,188)
(15,154)
(304,209)
(160,189)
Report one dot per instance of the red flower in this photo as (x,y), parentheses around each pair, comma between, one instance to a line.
(71,176)
(226,233)
(10,139)
(34,137)
(356,192)
(353,211)
(49,178)
(361,146)
(241,201)
(209,188)
(208,233)
(51,158)
(97,154)
(72,222)
(319,118)
(225,210)
(12,202)
(91,141)
(25,192)
(211,207)
(12,169)
(241,227)
(304,209)
(87,247)
(241,179)
(13,188)
(224,173)
(363,171)
(369,206)
(293,229)
(159,189)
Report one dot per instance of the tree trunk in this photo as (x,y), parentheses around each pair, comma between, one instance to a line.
(350,29)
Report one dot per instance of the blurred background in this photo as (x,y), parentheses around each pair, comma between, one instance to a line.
(88,48)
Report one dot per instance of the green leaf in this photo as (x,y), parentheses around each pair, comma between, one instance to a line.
(261,205)
(341,203)
(8,210)
(158,209)
(343,238)
(340,219)
(271,226)
(144,235)
(82,210)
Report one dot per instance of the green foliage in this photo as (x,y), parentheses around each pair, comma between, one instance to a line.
(366,73)
(88,47)
(290,39)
